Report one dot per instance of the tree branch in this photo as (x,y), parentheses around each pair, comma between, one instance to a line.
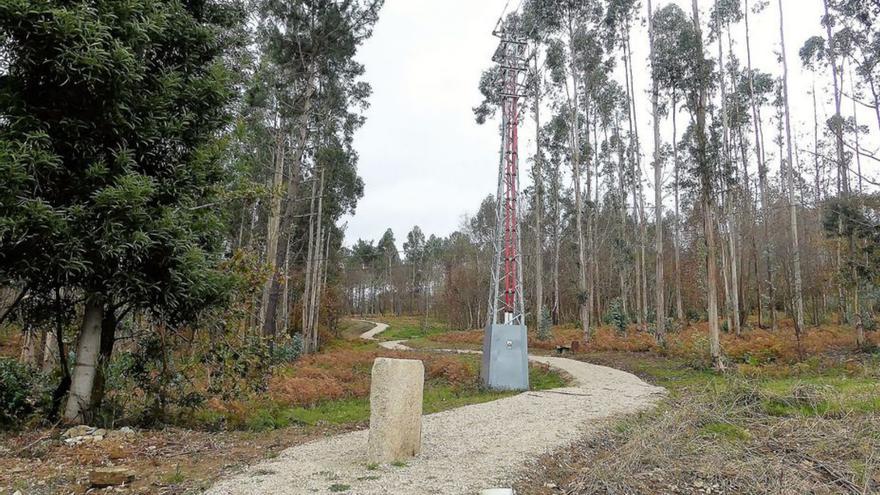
(14,304)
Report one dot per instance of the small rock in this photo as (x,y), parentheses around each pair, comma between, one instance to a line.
(97,438)
(125,431)
(100,432)
(78,431)
(110,476)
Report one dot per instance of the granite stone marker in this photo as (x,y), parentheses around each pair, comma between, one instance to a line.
(395,410)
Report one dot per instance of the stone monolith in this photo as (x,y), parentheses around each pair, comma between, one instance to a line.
(395,410)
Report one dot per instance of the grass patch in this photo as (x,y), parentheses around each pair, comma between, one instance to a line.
(452,381)
(736,432)
(339,487)
(352,329)
(408,327)
(724,431)
(175,478)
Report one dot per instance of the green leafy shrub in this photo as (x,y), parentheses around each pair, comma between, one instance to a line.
(615,316)
(287,351)
(23,392)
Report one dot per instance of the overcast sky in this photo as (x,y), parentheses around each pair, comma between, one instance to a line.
(426,162)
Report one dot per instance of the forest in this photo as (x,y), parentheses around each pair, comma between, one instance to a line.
(175,270)
(754,224)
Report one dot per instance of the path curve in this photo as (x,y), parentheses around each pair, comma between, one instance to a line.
(376,330)
(464,450)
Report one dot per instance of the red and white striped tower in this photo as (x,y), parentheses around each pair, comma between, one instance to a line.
(507,302)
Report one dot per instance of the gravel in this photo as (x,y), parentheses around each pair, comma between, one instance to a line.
(371,333)
(464,450)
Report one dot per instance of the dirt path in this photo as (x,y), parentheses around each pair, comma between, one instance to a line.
(464,450)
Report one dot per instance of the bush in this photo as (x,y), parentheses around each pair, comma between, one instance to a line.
(23,392)
(616,316)
(288,350)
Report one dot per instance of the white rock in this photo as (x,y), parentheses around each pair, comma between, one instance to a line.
(396,394)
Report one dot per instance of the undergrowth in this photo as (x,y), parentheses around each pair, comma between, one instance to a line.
(333,388)
(812,430)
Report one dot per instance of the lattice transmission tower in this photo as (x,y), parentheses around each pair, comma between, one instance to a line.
(506,299)
(505,341)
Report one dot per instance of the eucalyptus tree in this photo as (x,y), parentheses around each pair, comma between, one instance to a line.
(623,14)
(659,289)
(819,51)
(555,138)
(860,33)
(792,205)
(534,27)
(109,156)
(761,85)
(726,12)
(670,70)
(697,96)
(312,46)
(574,59)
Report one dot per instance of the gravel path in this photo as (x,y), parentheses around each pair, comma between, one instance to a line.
(464,450)
(371,333)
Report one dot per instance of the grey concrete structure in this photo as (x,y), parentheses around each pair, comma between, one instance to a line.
(505,357)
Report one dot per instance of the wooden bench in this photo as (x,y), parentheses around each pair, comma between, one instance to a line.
(575,346)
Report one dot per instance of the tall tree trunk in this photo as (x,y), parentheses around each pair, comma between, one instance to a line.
(109,323)
(87,351)
(556,244)
(842,178)
(638,211)
(310,292)
(286,224)
(679,306)
(583,308)
(706,182)
(762,175)
(316,267)
(621,185)
(659,286)
(792,205)
(273,221)
(639,194)
(731,284)
(539,201)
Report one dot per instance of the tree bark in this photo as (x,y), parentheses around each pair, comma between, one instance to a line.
(539,202)
(731,282)
(679,306)
(273,222)
(286,224)
(706,181)
(659,286)
(792,205)
(762,176)
(84,370)
(583,308)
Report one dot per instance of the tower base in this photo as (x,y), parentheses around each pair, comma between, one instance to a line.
(505,357)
